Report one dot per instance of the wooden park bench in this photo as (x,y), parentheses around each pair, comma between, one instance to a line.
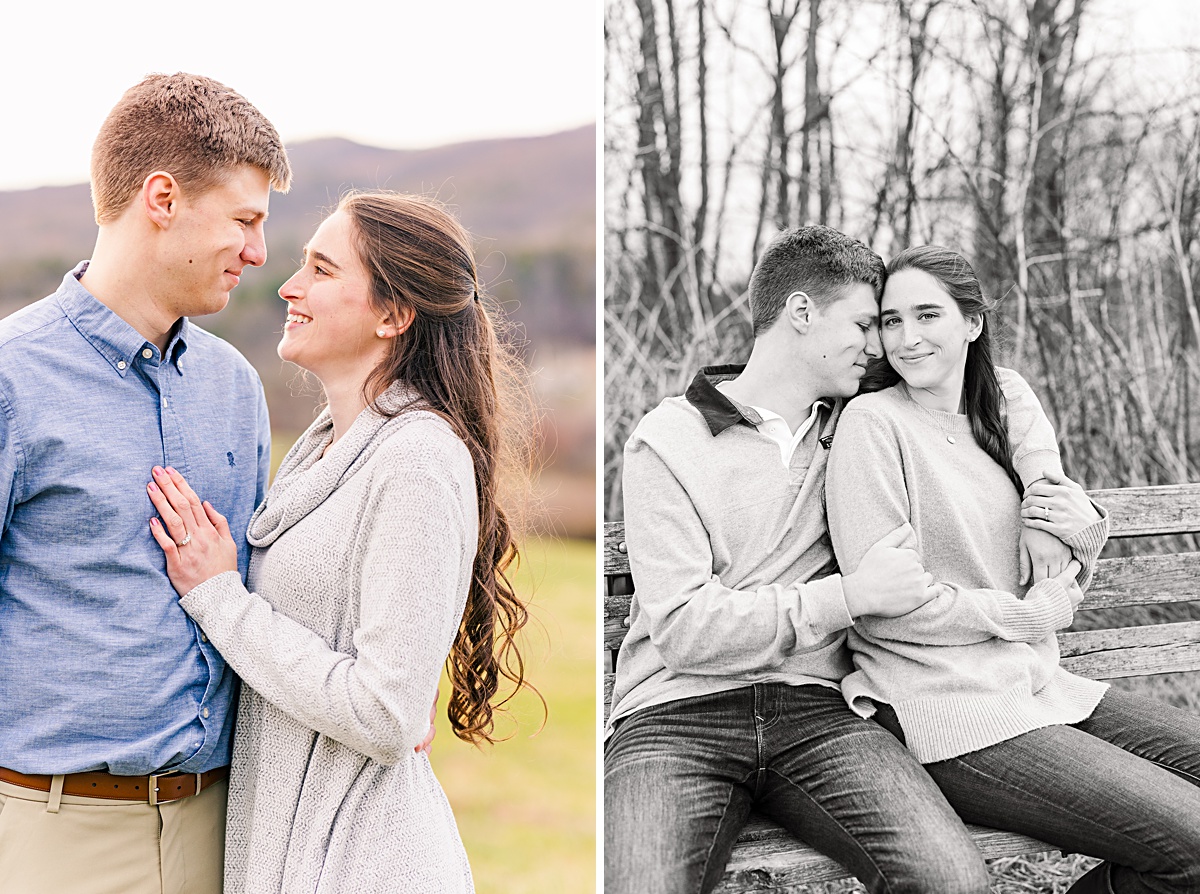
(767,858)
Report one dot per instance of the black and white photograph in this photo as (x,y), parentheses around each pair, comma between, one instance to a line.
(901,446)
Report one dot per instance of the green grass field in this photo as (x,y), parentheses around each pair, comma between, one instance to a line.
(526,807)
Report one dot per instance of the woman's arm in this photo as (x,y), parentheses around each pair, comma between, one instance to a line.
(418,528)
(1046,546)
(867,493)
(1061,508)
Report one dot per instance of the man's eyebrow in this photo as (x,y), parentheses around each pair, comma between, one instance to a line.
(252,213)
(321,258)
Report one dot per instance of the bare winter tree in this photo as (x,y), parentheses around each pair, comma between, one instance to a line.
(1006,130)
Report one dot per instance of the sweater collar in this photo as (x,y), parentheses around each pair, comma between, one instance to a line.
(305,478)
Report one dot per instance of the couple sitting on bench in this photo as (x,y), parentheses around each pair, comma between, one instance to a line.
(845,612)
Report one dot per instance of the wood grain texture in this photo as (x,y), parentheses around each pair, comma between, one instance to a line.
(1138,511)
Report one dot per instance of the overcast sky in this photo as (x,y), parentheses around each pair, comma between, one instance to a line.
(397,73)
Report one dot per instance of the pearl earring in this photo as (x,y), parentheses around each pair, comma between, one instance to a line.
(380,333)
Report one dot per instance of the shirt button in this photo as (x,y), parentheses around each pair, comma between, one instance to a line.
(164,403)
(147,353)
(205,712)
(120,364)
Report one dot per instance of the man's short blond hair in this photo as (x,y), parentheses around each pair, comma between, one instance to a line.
(190,126)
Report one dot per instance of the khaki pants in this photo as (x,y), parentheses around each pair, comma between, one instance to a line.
(99,846)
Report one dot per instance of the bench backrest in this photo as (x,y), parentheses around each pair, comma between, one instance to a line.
(1152,648)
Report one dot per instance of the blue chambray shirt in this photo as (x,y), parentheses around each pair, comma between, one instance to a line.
(100,668)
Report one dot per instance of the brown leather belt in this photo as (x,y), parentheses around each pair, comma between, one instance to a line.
(151,789)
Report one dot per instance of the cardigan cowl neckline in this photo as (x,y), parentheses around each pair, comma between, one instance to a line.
(303,483)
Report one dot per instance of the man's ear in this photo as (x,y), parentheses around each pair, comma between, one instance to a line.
(160,197)
(798,308)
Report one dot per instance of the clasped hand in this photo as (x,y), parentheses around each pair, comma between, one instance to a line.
(1058,505)
(1053,509)
(890,580)
(194,537)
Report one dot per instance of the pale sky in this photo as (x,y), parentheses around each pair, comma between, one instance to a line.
(405,74)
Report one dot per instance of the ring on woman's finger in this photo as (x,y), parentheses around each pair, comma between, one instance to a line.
(1046,509)
(187,538)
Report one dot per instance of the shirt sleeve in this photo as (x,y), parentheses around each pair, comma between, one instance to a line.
(1030,434)
(376,700)
(11,458)
(698,624)
(264,448)
(867,496)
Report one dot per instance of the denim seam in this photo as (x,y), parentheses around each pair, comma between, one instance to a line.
(1084,821)
(715,838)
(879,872)
(1174,771)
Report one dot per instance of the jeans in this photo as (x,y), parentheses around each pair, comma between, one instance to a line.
(1123,785)
(680,778)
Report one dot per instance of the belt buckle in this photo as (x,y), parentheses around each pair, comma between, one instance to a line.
(154,777)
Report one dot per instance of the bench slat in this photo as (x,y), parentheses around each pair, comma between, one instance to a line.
(768,858)
(1140,511)
(1144,580)
(1132,651)
(1140,580)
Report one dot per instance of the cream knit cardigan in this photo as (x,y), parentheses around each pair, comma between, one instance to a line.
(358,578)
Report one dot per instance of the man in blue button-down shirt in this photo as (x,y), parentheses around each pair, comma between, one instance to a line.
(104,680)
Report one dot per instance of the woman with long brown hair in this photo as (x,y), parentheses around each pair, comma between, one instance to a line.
(379,555)
(971,680)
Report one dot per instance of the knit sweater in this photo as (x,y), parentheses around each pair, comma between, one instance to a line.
(978,664)
(358,579)
(735,578)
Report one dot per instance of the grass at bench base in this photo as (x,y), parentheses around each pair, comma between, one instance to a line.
(1048,873)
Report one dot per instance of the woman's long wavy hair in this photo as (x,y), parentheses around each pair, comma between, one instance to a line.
(419,257)
(982,395)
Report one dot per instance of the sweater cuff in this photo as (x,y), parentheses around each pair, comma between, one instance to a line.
(824,606)
(1045,608)
(204,600)
(1034,464)
(1087,543)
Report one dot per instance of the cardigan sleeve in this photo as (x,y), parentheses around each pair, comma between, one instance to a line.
(867,496)
(684,600)
(418,534)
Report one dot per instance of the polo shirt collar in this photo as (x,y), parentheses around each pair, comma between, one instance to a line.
(115,340)
(718,409)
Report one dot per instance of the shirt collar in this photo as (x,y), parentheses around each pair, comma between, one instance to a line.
(718,409)
(116,341)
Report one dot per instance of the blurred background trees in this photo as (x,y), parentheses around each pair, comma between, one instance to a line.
(1055,143)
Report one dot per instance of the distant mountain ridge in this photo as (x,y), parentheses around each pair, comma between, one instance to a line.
(530,200)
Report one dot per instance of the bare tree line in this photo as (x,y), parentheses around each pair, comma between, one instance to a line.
(996,127)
